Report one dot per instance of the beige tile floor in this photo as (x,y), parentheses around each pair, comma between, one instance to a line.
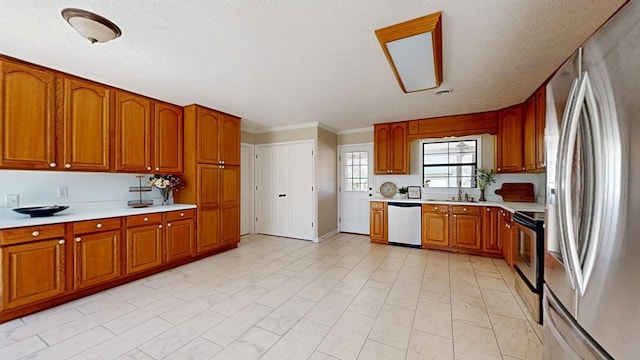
(277,298)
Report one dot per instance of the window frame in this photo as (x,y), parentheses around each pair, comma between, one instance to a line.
(478,162)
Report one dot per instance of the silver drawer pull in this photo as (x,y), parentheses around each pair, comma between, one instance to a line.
(78,239)
(52,164)
(146,219)
(464,209)
(99,226)
(169,225)
(435,208)
(181,214)
(61,242)
(159,226)
(35,233)
(67,166)
(148,167)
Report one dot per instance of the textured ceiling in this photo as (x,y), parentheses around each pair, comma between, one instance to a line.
(287,62)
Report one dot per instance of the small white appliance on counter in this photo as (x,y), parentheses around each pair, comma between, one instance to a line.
(405,224)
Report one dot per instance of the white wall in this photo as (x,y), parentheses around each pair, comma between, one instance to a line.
(40,187)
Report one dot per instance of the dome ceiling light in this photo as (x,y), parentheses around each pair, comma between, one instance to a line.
(91,26)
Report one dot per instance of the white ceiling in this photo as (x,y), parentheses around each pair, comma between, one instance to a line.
(278,63)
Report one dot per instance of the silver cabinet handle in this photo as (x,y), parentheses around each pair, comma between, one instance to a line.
(52,165)
(181,214)
(148,167)
(447,215)
(169,225)
(488,209)
(157,169)
(435,208)
(61,242)
(146,219)
(464,209)
(99,226)
(499,169)
(35,233)
(455,215)
(78,239)
(160,226)
(67,166)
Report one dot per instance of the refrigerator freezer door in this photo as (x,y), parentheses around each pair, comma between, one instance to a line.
(563,338)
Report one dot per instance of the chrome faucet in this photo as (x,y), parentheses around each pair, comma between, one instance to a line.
(460,190)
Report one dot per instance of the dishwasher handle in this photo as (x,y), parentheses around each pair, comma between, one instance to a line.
(404,204)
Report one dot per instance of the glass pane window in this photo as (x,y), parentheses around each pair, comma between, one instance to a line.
(450,163)
(356,171)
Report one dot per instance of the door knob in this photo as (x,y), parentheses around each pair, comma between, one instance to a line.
(282,195)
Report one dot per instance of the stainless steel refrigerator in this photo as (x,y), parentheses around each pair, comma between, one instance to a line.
(592,260)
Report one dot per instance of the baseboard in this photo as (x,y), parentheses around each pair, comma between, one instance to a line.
(327,235)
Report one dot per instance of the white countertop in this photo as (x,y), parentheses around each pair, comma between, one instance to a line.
(509,206)
(80,212)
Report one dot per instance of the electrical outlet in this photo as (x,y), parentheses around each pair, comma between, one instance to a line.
(11,200)
(63,191)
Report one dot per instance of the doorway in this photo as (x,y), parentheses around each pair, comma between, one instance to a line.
(355,189)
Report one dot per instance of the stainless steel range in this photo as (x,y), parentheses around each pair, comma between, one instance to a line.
(529,260)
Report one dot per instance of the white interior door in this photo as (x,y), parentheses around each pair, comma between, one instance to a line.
(246,189)
(284,190)
(356,187)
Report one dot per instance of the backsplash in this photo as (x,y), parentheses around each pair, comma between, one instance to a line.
(538,180)
(41,187)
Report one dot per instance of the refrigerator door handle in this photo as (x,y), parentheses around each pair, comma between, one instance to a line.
(551,324)
(563,181)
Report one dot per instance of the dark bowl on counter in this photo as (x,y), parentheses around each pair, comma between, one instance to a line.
(40,211)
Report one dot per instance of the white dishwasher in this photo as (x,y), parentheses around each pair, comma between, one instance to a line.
(405,224)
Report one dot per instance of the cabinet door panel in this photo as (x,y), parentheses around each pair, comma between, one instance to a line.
(230,225)
(467,231)
(27,136)
(133,133)
(541,120)
(144,248)
(490,230)
(168,138)
(509,144)
(398,156)
(97,258)
(529,133)
(180,239)
(381,148)
(209,185)
(208,229)
(208,136)
(85,126)
(230,140)
(506,238)
(378,225)
(435,229)
(32,272)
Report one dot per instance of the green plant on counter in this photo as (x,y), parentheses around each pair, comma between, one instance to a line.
(403,190)
(485,178)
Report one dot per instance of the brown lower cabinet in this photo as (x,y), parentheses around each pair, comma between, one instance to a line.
(435,225)
(378,222)
(466,227)
(506,235)
(490,230)
(43,266)
(96,255)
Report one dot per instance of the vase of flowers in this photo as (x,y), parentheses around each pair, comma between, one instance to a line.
(485,178)
(166,184)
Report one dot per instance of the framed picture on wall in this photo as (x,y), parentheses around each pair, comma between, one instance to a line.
(414,192)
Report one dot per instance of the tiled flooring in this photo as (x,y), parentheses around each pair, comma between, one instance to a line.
(275,298)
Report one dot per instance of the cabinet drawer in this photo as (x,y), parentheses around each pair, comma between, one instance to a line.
(378,204)
(182,214)
(435,208)
(85,227)
(461,209)
(145,219)
(31,233)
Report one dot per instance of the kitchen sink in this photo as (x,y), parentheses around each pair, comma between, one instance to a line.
(454,201)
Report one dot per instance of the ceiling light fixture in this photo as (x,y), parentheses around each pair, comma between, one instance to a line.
(91,26)
(443,91)
(414,51)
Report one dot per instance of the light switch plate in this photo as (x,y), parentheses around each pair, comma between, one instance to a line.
(11,200)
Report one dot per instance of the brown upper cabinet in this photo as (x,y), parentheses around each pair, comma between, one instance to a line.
(168,138)
(133,133)
(391,148)
(85,125)
(534,122)
(148,135)
(27,121)
(541,122)
(218,136)
(510,142)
